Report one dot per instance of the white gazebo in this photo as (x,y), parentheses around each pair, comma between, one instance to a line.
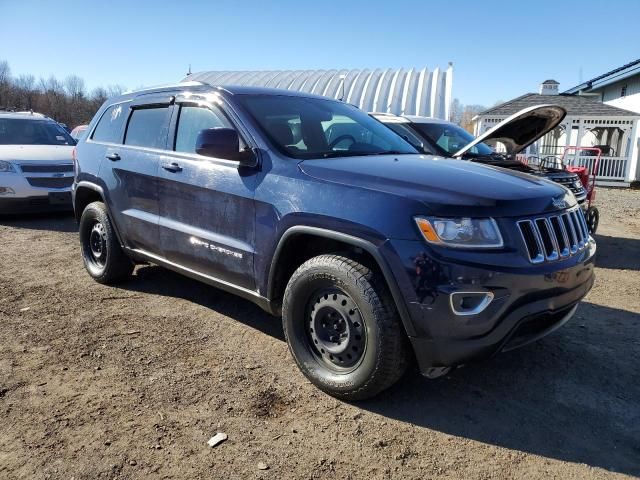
(588,123)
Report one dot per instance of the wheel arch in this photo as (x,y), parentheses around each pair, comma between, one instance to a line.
(316,241)
(86,193)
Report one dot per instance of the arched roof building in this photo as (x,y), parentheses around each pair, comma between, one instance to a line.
(400,91)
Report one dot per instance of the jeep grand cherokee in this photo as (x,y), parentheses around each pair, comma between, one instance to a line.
(373,254)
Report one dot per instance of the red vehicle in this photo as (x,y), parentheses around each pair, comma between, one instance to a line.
(78,131)
(587,176)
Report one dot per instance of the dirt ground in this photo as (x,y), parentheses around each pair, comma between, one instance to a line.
(131,382)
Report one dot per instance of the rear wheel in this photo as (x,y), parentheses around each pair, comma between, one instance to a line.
(101,252)
(593,219)
(342,328)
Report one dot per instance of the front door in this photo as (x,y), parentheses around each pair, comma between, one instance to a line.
(206,205)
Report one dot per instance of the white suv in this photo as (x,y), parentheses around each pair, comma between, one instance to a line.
(36,163)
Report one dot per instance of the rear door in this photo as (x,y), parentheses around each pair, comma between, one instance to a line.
(131,170)
(207,214)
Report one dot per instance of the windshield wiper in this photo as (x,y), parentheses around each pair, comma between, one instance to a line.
(343,153)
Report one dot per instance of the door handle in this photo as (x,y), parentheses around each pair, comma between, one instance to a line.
(172,167)
(114,157)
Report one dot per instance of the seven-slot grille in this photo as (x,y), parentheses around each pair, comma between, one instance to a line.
(554,237)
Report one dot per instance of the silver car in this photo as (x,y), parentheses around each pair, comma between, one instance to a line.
(36,163)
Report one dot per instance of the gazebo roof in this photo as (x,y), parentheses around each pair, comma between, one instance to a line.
(575,105)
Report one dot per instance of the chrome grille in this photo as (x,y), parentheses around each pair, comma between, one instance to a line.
(44,168)
(50,182)
(553,237)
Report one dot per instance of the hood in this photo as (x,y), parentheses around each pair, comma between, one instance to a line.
(31,153)
(521,129)
(445,186)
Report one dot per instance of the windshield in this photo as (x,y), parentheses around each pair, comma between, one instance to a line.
(449,138)
(304,127)
(22,131)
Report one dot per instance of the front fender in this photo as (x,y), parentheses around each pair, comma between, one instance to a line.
(377,248)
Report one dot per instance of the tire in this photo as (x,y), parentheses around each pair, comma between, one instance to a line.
(342,328)
(101,252)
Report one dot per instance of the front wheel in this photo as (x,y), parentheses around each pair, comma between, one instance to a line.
(103,258)
(343,329)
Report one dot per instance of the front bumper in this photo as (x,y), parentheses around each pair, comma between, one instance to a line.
(52,201)
(528,303)
(26,194)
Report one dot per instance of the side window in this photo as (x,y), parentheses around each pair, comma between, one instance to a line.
(147,127)
(191,121)
(109,127)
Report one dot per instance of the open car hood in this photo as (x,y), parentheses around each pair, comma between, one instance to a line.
(521,129)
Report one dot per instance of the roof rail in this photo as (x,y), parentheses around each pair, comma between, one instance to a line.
(193,83)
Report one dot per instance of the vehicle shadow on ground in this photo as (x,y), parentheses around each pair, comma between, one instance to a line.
(52,221)
(572,396)
(160,281)
(618,252)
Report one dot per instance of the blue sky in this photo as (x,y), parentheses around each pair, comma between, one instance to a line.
(500,49)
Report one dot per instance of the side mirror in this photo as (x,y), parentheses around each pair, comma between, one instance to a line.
(223,143)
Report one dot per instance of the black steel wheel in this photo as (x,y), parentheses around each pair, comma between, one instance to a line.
(336,330)
(97,245)
(342,327)
(101,252)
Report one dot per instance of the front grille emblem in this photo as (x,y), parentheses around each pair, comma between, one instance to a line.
(559,203)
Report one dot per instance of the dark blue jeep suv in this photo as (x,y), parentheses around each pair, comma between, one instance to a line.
(373,254)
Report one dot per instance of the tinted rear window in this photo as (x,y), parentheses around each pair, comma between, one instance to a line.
(147,128)
(109,127)
(23,131)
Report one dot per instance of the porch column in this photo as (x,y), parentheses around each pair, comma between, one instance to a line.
(567,141)
(632,173)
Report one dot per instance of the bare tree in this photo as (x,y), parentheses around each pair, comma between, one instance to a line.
(470,111)
(114,90)
(5,79)
(455,114)
(25,91)
(74,87)
(67,102)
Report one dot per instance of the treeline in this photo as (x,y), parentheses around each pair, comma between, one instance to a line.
(66,101)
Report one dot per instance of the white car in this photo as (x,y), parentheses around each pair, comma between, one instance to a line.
(36,163)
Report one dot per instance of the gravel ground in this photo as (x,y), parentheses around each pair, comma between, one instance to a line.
(131,382)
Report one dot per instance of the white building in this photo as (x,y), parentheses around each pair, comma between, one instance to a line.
(619,87)
(588,123)
(400,91)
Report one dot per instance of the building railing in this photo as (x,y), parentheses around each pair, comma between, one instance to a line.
(609,168)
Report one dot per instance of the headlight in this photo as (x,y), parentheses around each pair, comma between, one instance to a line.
(461,232)
(6,167)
